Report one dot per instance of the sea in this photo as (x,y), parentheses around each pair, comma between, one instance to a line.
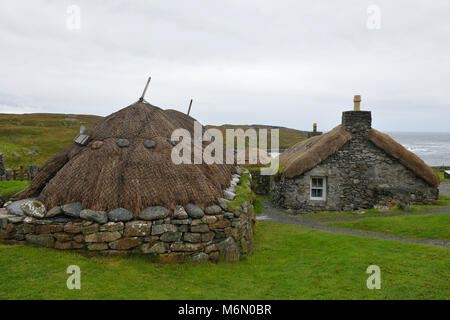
(431,147)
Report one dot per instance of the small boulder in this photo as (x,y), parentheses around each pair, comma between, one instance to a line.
(154,213)
(72,209)
(98,216)
(228,195)
(194,211)
(15,207)
(200,257)
(149,144)
(56,211)
(122,143)
(34,208)
(179,213)
(120,214)
(223,203)
(214,209)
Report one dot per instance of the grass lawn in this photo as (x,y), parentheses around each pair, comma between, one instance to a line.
(8,188)
(289,262)
(431,226)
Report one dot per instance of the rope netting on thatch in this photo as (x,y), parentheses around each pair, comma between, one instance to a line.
(132,177)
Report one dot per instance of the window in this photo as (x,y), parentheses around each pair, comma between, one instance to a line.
(318,188)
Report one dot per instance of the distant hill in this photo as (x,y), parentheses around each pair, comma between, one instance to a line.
(49,133)
(288,136)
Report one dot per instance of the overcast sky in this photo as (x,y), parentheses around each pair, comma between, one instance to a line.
(287,63)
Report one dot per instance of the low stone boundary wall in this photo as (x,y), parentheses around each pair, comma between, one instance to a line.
(178,235)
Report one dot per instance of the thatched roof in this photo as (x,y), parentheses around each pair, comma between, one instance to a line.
(307,154)
(404,156)
(133,177)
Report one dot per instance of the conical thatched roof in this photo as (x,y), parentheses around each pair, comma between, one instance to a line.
(308,153)
(133,177)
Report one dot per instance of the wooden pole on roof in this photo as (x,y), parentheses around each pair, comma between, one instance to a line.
(190,105)
(145,89)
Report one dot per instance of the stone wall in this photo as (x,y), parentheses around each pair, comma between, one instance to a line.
(359,176)
(260,183)
(184,234)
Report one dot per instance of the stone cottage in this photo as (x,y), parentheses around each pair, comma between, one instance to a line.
(351,167)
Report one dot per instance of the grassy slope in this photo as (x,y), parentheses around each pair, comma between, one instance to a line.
(50,133)
(45,133)
(288,136)
(8,188)
(289,262)
(433,226)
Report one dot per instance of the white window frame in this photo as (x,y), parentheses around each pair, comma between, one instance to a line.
(323,188)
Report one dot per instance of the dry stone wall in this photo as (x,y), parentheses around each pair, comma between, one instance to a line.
(186,233)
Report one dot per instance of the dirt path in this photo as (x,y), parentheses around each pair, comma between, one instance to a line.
(273,214)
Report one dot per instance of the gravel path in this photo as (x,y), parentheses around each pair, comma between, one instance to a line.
(273,214)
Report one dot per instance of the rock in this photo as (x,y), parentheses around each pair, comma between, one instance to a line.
(89,229)
(72,209)
(137,229)
(100,217)
(63,237)
(192,237)
(122,143)
(34,208)
(179,213)
(112,226)
(173,143)
(96,145)
(228,195)
(103,236)
(228,249)
(161,228)
(97,246)
(207,237)
(125,243)
(238,170)
(154,213)
(63,245)
(149,144)
(186,246)
(173,257)
(73,227)
(194,211)
(120,214)
(200,228)
(159,247)
(41,240)
(381,207)
(49,228)
(404,206)
(228,215)
(78,238)
(53,212)
(200,257)
(181,222)
(209,219)
(170,236)
(210,248)
(15,207)
(214,209)
(223,203)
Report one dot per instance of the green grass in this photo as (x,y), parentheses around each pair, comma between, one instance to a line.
(47,134)
(440,171)
(8,188)
(430,226)
(289,262)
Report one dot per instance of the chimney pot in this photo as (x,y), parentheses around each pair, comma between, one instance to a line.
(314,127)
(357,103)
